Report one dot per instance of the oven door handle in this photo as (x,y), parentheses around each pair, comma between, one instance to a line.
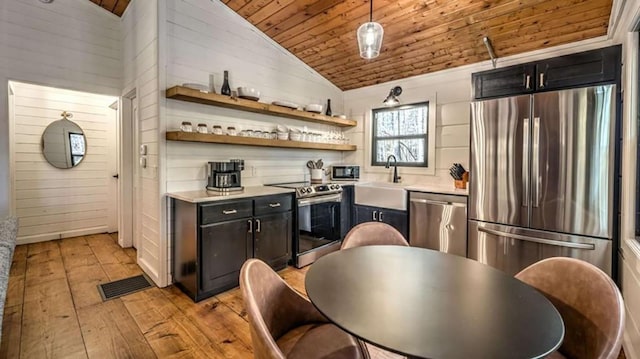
(319,199)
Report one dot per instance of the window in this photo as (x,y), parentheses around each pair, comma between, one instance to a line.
(402,132)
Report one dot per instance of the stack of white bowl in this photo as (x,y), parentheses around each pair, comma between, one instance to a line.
(282,132)
(295,134)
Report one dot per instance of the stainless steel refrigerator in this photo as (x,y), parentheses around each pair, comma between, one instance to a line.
(542,177)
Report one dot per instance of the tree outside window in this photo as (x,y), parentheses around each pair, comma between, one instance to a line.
(402,132)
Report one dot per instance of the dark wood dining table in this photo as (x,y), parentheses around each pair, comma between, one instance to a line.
(427,304)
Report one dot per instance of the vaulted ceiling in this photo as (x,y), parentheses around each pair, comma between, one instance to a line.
(419,36)
(115,6)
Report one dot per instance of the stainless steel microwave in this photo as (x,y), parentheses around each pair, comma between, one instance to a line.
(345,172)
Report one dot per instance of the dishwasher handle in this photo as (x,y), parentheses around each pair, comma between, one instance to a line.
(538,240)
(439,203)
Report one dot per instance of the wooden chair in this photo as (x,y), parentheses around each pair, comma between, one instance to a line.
(373,233)
(588,301)
(284,324)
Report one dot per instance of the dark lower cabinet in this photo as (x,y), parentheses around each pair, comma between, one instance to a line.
(272,239)
(346,210)
(212,240)
(395,218)
(224,248)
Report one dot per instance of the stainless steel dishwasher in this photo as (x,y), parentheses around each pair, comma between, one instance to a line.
(438,221)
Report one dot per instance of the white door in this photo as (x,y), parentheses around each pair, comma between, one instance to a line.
(112,162)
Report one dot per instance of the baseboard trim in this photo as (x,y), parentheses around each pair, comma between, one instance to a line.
(53,236)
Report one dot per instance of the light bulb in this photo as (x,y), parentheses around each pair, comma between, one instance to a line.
(370,38)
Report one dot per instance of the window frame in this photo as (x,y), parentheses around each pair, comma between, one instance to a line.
(374,140)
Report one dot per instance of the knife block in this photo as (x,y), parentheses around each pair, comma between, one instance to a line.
(462,184)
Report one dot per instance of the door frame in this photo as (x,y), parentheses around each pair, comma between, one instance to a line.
(127,155)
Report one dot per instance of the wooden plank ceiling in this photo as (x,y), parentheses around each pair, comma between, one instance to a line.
(115,6)
(419,36)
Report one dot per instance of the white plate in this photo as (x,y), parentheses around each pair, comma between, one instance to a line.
(252,98)
(286,104)
(199,87)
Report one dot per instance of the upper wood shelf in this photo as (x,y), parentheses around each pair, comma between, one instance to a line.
(187,94)
(251,141)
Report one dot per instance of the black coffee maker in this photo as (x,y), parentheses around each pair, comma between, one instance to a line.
(225,176)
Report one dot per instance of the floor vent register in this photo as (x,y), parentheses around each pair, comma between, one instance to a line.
(124,287)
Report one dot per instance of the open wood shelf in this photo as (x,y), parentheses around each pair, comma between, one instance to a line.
(186,94)
(251,141)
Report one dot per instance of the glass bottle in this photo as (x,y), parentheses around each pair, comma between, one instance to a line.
(328,112)
(226,90)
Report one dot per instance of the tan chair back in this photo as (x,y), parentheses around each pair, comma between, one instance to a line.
(373,233)
(273,308)
(588,301)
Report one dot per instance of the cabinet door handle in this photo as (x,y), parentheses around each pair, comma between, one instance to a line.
(274,205)
(527,82)
(257,226)
(380,216)
(375,218)
(542,80)
(250,226)
(229,211)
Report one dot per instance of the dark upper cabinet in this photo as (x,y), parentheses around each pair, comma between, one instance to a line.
(394,218)
(587,68)
(581,69)
(513,80)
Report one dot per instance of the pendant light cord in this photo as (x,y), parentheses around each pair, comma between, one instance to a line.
(371,11)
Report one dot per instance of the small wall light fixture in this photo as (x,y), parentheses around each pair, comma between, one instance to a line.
(492,54)
(392,98)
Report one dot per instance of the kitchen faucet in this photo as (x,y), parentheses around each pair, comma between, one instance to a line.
(396,179)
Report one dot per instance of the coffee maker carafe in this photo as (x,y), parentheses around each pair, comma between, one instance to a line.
(225,176)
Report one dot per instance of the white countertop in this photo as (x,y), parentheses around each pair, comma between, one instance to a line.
(208,196)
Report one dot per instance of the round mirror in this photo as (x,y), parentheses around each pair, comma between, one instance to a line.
(63,143)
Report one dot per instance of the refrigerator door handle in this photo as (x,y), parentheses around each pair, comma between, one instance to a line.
(538,240)
(535,166)
(525,162)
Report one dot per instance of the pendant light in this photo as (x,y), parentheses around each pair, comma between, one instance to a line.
(370,37)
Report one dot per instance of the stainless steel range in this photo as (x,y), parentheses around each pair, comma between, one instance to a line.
(317,230)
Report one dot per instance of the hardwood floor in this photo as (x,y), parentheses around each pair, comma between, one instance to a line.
(54,310)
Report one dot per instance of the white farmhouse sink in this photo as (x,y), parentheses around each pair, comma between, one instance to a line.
(381,194)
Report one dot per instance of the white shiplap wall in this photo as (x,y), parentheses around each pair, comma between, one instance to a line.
(450,94)
(205,38)
(140,56)
(70,44)
(54,203)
